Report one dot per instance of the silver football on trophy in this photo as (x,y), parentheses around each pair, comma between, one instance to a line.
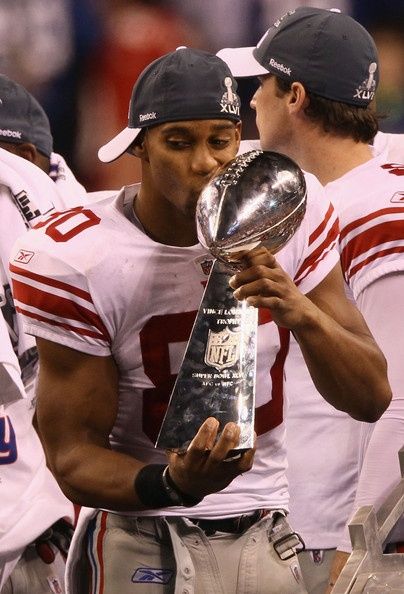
(259,198)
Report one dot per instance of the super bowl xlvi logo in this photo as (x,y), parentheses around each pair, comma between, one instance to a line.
(222,349)
(367,89)
(230,102)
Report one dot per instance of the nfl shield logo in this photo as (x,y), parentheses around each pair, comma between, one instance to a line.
(222,349)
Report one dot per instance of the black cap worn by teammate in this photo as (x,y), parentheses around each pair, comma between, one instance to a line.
(186,84)
(22,119)
(330,53)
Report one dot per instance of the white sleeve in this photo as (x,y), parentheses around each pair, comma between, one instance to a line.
(56,300)
(382,306)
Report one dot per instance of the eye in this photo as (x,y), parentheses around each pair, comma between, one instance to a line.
(220,142)
(178,144)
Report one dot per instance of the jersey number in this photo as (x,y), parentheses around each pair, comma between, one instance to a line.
(8,443)
(86,218)
(155,339)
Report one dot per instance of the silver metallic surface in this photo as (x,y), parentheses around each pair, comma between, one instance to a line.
(369,570)
(259,199)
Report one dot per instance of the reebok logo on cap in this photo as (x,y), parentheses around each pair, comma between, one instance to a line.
(279,66)
(143,117)
(10,133)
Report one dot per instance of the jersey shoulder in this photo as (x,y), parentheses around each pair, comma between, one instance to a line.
(80,238)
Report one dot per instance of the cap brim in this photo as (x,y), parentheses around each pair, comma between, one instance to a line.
(118,145)
(241,61)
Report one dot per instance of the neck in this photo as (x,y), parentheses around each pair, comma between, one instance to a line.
(330,157)
(170,227)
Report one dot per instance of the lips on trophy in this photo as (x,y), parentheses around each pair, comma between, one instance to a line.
(259,198)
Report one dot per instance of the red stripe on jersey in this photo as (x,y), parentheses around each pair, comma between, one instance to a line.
(82,331)
(371,238)
(310,263)
(270,415)
(264,316)
(375,256)
(52,282)
(370,217)
(58,306)
(317,232)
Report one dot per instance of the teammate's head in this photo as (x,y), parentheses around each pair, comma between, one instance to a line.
(330,54)
(184,85)
(24,126)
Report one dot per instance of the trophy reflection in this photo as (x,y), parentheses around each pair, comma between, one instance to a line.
(258,199)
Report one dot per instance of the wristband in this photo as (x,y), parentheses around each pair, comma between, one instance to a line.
(155,488)
(175,494)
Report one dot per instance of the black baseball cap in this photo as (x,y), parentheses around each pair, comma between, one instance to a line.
(330,53)
(186,84)
(22,119)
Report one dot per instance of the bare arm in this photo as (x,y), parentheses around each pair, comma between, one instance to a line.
(77,407)
(345,363)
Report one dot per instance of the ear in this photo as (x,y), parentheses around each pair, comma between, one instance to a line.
(27,151)
(238,134)
(140,150)
(298,99)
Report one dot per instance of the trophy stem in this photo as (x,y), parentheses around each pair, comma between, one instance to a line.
(217,374)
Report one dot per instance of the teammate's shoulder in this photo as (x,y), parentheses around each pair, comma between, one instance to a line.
(317,198)
(392,145)
(314,187)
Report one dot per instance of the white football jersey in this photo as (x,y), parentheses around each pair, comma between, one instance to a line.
(92,280)
(370,204)
(30,499)
(27,193)
(322,446)
(325,446)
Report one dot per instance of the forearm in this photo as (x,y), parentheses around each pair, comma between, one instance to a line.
(94,476)
(347,369)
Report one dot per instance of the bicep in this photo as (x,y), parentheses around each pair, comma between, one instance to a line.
(77,396)
(329,295)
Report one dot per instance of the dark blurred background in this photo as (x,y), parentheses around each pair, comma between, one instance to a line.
(80,59)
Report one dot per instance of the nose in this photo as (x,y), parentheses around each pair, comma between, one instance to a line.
(203,163)
(253,102)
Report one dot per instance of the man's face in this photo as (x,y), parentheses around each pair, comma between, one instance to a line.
(272,116)
(183,156)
